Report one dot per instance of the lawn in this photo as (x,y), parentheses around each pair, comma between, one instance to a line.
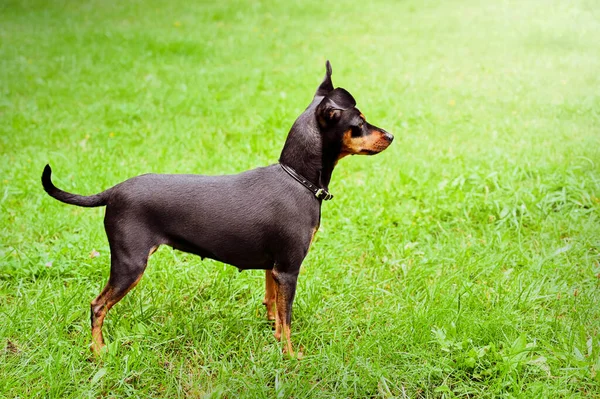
(464,261)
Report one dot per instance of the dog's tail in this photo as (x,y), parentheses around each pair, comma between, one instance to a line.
(68,198)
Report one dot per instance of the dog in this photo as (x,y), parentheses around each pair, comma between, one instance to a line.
(264,218)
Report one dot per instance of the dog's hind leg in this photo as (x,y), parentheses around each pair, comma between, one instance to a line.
(127,267)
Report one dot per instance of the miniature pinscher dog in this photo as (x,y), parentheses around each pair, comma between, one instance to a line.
(263,218)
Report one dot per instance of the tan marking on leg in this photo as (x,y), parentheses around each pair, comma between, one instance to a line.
(98,312)
(270,295)
(277,316)
(288,340)
(284,328)
(100,307)
(97,339)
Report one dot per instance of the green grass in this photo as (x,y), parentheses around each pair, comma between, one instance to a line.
(461,262)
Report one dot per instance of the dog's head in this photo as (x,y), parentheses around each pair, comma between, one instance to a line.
(341,122)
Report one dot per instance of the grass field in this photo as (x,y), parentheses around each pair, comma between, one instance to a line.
(461,262)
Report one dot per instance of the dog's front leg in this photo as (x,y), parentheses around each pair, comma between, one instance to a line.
(285,289)
(270,295)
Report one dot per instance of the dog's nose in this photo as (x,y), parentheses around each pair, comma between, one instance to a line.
(388,137)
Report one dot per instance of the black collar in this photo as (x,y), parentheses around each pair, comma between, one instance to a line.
(320,193)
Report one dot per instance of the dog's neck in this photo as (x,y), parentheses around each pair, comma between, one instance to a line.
(304,151)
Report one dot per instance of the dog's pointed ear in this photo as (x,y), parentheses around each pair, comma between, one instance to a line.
(326,86)
(329,111)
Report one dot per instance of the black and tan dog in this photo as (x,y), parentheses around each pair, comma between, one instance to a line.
(263,218)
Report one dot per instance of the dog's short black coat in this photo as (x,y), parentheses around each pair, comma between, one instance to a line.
(259,219)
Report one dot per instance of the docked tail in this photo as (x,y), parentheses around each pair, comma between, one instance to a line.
(68,198)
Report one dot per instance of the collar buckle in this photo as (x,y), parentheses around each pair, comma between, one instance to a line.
(323,194)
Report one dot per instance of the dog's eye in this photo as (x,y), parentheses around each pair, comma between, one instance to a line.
(361,124)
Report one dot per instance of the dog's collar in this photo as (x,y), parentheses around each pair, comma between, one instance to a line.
(320,193)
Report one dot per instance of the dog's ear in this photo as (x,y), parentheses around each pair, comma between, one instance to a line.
(329,111)
(326,86)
